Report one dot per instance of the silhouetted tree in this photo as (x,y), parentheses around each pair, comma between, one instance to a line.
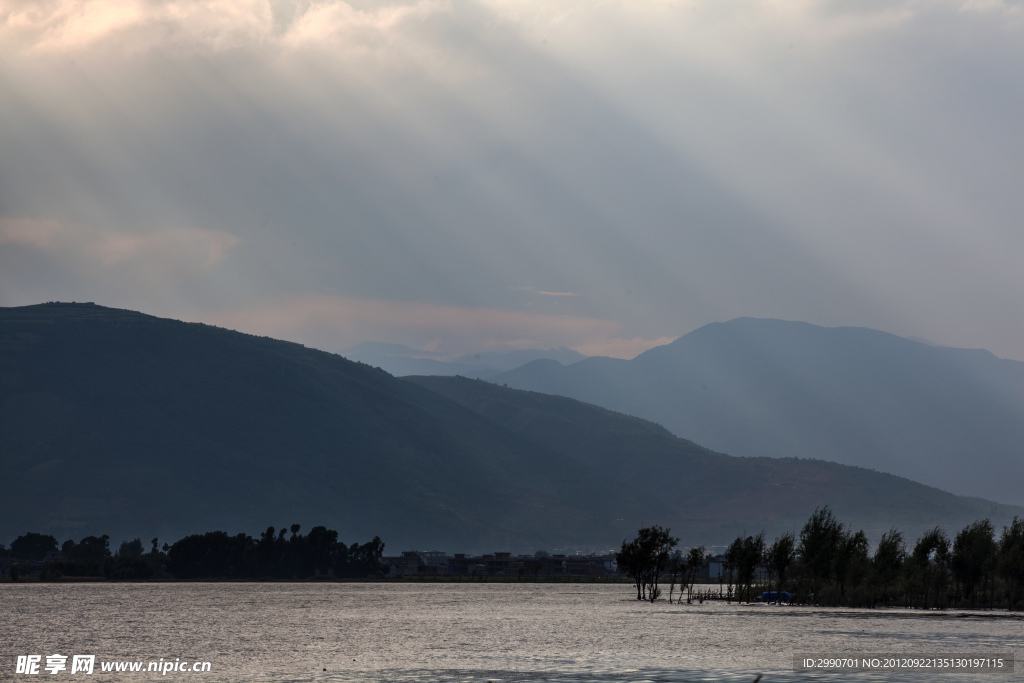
(732,560)
(321,547)
(1011,561)
(630,561)
(130,548)
(695,561)
(645,558)
(819,540)
(216,554)
(751,552)
(851,560)
(32,546)
(928,569)
(780,557)
(888,560)
(364,560)
(974,558)
(91,549)
(267,553)
(676,565)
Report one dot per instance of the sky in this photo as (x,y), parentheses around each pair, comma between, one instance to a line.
(464,176)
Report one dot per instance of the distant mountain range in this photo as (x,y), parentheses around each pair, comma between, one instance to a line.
(400,360)
(709,496)
(117,422)
(951,418)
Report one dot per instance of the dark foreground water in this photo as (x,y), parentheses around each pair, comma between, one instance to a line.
(335,633)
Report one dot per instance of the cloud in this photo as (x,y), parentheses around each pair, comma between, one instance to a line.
(163,250)
(337,322)
(133,25)
(535,290)
(325,23)
(73,25)
(652,165)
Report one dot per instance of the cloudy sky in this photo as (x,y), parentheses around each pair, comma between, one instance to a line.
(464,176)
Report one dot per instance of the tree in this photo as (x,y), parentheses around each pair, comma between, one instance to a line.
(629,560)
(750,556)
(32,546)
(780,557)
(851,559)
(93,549)
(658,545)
(888,560)
(676,565)
(819,540)
(645,558)
(216,554)
(364,560)
(929,567)
(267,553)
(321,547)
(1011,561)
(695,560)
(974,557)
(732,560)
(130,548)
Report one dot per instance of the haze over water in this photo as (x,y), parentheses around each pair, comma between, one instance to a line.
(473,632)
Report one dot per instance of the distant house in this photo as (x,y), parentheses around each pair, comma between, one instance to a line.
(438,563)
(417,563)
(716,568)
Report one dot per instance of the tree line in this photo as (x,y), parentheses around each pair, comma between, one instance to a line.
(828,563)
(212,555)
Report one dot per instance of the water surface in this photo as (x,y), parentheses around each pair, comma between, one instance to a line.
(468,632)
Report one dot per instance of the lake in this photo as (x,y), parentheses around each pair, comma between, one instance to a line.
(468,632)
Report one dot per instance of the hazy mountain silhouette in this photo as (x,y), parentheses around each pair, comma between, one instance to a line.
(117,422)
(951,418)
(121,423)
(711,496)
(400,360)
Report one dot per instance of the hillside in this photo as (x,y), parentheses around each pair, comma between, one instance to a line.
(117,422)
(401,360)
(951,418)
(712,496)
(121,423)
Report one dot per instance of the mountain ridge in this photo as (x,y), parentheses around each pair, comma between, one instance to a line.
(726,495)
(121,423)
(114,420)
(758,387)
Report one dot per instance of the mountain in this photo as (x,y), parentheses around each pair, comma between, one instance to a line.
(950,418)
(400,360)
(711,497)
(121,423)
(117,422)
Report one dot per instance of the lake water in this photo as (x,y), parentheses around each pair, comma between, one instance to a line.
(470,632)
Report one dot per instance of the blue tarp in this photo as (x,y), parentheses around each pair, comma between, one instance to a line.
(772,596)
